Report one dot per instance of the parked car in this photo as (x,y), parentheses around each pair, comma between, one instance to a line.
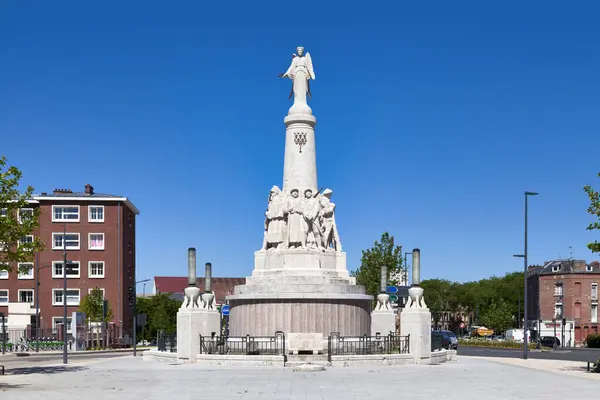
(549,341)
(449,340)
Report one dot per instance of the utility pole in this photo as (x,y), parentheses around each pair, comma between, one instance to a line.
(64,296)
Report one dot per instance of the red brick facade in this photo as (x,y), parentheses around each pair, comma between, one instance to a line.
(113,267)
(567,289)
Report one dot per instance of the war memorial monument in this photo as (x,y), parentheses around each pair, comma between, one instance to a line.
(300,293)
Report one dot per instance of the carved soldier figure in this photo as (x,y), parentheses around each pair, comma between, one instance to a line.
(275,221)
(331,239)
(296,231)
(312,208)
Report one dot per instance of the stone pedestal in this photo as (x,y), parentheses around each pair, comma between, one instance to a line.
(191,323)
(383,322)
(415,320)
(299,291)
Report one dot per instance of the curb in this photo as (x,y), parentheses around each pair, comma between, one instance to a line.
(71,353)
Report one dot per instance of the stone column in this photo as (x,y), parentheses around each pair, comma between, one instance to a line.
(383,319)
(415,319)
(300,160)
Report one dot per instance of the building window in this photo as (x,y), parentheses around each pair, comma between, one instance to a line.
(556,268)
(589,268)
(72,297)
(3,212)
(56,321)
(577,289)
(558,311)
(558,289)
(577,311)
(96,241)
(96,269)
(25,274)
(594,291)
(73,270)
(25,214)
(25,240)
(71,241)
(3,296)
(26,296)
(96,213)
(3,272)
(2,246)
(65,213)
(594,315)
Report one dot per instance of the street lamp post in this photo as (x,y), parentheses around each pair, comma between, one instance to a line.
(525,300)
(144,325)
(64,295)
(406,267)
(135,316)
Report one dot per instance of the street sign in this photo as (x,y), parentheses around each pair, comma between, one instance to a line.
(393,298)
(225,309)
(141,319)
(392,289)
(462,325)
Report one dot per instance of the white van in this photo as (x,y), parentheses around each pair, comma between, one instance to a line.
(515,335)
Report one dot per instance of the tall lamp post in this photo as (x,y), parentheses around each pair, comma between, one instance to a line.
(64,294)
(135,316)
(525,301)
(405,283)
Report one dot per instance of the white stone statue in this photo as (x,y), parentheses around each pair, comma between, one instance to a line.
(275,224)
(311,208)
(331,238)
(296,226)
(300,72)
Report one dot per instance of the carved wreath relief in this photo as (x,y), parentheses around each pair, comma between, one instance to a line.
(300,139)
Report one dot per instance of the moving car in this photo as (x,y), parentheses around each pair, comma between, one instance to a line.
(549,341)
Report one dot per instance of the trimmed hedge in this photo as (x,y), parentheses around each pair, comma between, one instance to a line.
(507,344)
(593,341)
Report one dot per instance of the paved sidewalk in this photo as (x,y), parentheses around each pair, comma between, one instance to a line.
(128,378)
(572,368)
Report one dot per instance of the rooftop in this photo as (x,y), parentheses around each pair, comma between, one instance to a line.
(87,194)
(176,284)
(563,267)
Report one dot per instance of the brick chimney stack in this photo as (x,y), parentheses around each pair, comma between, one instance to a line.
(89,189)
(62,191)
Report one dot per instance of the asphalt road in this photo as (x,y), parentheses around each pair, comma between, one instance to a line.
(36,363)
(559,354)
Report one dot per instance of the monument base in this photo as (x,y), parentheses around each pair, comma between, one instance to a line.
(191,323)
(383,323)
(299,291)
(416,322)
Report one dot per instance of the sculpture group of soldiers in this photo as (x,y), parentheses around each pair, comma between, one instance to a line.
(293,221)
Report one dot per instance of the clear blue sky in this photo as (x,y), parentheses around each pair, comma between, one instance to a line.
(433,119)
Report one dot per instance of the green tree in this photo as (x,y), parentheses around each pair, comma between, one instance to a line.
(16,224)
(593,209)
(161,314)
(498,316)
(91,305)
(385,253)
(438,296)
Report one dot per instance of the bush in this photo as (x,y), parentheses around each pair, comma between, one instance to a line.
(506,344)
(593,341)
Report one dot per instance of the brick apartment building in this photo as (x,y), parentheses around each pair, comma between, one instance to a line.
(564,291)
(100,242)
